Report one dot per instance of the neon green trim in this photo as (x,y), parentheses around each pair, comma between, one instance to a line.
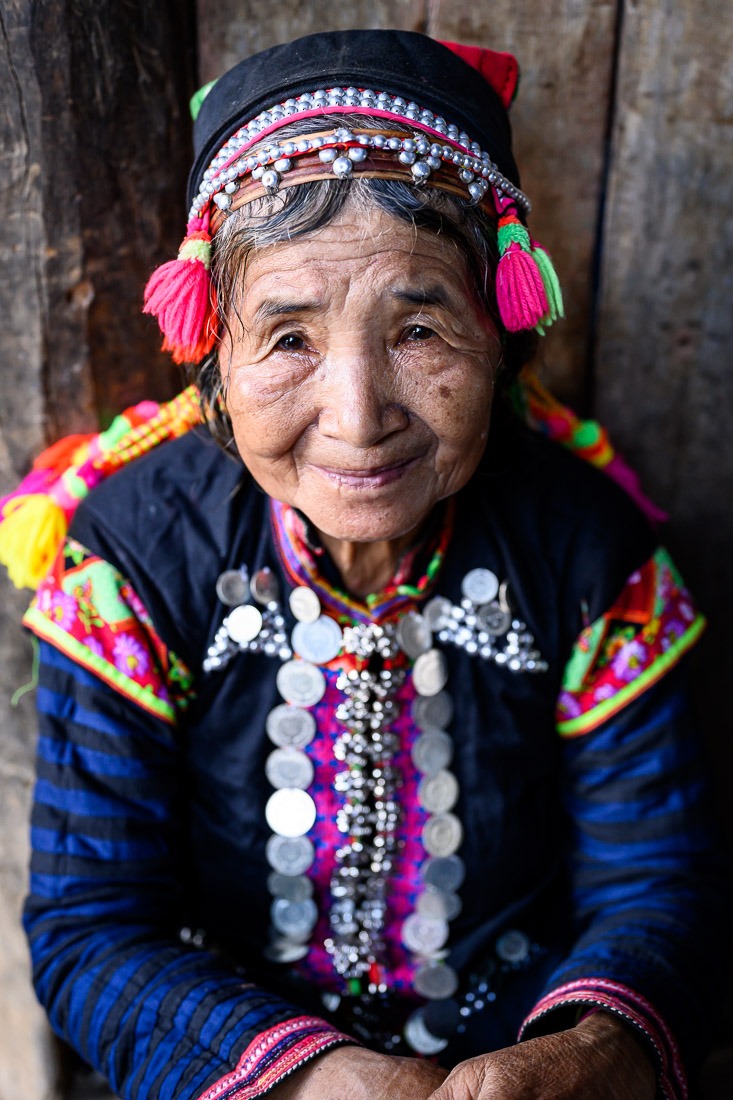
(608,707)
(198,98)
(581,660)
(144,697)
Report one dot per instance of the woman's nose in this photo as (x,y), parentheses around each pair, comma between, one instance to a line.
(360,405)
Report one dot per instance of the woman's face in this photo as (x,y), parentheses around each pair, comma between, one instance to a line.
(360,374)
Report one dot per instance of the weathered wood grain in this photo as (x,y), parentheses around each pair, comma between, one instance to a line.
(230,31)
(565,52)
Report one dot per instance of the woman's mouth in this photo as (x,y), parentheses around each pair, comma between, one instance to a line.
(368,477)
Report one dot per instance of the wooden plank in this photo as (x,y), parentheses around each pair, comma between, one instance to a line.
(230,30)
(565,52)
(27,1067)
(115,160)
(666,326)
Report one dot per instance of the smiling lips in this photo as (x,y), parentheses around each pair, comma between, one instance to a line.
(373,477)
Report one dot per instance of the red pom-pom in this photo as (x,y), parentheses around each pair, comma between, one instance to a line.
(520,292)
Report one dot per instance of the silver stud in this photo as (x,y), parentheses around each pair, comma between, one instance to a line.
(283,164)
(223,201)
(231,187)
(327,156)
(342,167)
(357,155)
(407,157)
(420,171)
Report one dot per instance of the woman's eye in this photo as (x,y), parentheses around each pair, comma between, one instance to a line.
(418,332)
(290,342)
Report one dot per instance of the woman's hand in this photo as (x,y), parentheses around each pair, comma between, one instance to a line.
(353,1073)
(599,1059)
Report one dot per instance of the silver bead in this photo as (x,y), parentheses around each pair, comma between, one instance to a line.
(283,164)
(222,200)
(420,171)
(328,155)
(357,155)
(342,167)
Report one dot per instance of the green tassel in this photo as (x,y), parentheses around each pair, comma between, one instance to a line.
(551,284)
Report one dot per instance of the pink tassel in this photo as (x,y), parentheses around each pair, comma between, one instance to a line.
(520,292)
(179,295)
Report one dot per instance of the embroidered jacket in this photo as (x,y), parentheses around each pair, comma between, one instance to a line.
(581,789)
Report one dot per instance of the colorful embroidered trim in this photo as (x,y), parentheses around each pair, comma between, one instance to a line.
(543,412)
(88,611)
(273,1055)
(297,561)
(617,657)
(632,1007)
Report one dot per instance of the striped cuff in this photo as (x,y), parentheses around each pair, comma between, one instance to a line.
(625,1002)
(273,1055)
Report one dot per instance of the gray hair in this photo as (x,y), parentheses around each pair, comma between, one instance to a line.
(296,211)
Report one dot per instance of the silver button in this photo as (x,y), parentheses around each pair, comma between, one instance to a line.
(446,873)
(414,635)
(290,812)
(512,946)
(432,751)
(264,586)
(430,672)
(494,619)
(437,612)
(438,793)
(290,727)
(435,981)
(304,604)
(301,683)
(292,887)
(480,586)
(232,587)
(319,641)
(419,1038)
(290,855)
(423,935)
(439,904)
(294,919)
(285,951)
(442,835)
(289,768)
(435,710)
(243,623)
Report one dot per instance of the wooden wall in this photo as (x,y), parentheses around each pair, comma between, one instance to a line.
(623,135)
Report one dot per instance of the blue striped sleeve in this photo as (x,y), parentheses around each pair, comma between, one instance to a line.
(648,881)
(157,1017)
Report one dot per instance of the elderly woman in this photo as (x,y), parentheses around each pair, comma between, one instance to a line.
(365,766)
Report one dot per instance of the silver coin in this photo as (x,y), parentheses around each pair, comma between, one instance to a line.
(291,812)
(423,935)
(285,951)
(494,619)
(243,623)
(290,727)
(437,612)
(289,768)
(480,586)
(419,1038)
(304,604)
(319,641)
(512,946)
(290,855)
(264,586)
(414,636)
(435,981)
(437,793)
(294,919)
(430,672)
(301,683)
(432,751)
(442,834)
(292,887)
(439,904)
(232,587)
(447,873)
(433,710)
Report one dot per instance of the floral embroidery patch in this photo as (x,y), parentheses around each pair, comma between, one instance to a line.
(89,611)
(617,657)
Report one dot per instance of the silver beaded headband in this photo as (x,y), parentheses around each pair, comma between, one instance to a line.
(424,152)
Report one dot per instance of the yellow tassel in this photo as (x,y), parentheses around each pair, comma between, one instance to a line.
(32,532)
